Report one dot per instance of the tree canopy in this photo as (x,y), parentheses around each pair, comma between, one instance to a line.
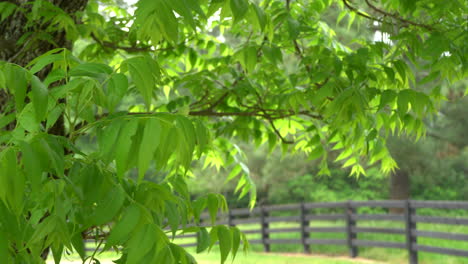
(99,96)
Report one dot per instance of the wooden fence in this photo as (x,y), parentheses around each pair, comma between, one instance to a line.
(347,212)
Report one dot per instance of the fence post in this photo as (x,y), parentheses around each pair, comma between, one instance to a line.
(265,226)
(410,238)
(230,218)
(350,225)
(304,228)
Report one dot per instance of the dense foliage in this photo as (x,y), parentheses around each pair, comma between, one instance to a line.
(146,92)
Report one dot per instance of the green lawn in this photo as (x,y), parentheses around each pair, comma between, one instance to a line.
(338,254)
(249,258)
(380,254)
(255,258)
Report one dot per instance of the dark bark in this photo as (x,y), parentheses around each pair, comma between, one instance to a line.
(399,188)
(21,53)
(16,26)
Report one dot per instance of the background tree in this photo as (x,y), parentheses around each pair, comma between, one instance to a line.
(154,88)
(435,166)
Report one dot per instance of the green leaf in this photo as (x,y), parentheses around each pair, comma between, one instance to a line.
(57,250)
(39,98)
(43,229)
(79,245)
(54,76)
(404,98)
(173,217)
(4,247)
(17,83)
(122,150)
(213,236)
(107,138)
(213,205)
(94,70)
(317,152)
(143,70)
(45,59)
(165,255)
(239,9)
(293,28)
(225,242)
(351,161)
(187,140)
(2,80)
(32,165)
(262,19)
(273,54)
(248,58)
(390,73)
(236,239)
(12,181)
(203,136)
(401,68)
(108,207)
(54,115)
(6,120)
(27,119)
(387,97)
(181,255)
(183,9)
(167,21)
(149,143)
(198,206)
(341,16)
(6,10)
(53,150)
(419,101)
(352,17)
(141,243)
(234,172)
(203,240)
(124,227)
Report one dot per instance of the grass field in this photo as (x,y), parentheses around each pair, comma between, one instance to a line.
(255,257)
(379,254)
(250,258)
(291,254)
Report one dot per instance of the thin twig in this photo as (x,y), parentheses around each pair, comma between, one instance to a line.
(380,11)
(112,45)
(398,17)
(355,10)
(284,140)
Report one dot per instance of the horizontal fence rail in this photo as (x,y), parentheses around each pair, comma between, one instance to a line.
(400,211)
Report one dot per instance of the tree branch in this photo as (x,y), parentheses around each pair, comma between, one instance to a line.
(397,17)
(355,10)
(107,44)
(382,12)
(285,141)
(217,102)
(299,52)
(209,112)
(200,101)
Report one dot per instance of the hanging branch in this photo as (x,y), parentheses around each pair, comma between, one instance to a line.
(384,13)
(111,45)
(355,10)
(397,17)
(284,140)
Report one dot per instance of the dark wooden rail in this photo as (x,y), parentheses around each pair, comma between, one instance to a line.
(348,213)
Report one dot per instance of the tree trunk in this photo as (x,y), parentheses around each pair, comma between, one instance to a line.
(16,26)
(399,188)
(21,53)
